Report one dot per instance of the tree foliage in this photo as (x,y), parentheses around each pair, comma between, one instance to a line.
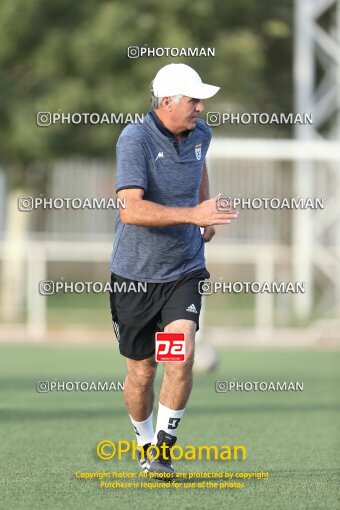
(72,57)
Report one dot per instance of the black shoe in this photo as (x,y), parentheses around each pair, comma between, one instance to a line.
(162,463)
(143,462)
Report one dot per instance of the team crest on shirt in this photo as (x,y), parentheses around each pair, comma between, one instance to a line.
(198,150)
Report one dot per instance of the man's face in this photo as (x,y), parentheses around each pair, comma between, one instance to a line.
(184,115)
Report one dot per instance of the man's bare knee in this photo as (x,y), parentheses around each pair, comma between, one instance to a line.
(141,372)
(181,369)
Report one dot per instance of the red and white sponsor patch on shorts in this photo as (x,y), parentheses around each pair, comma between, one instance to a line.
(170,347)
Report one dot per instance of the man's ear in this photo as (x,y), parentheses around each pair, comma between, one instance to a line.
(166,103)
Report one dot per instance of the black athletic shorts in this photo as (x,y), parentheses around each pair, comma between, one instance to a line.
(138,316)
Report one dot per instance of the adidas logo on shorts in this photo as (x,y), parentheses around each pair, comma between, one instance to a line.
(192,308)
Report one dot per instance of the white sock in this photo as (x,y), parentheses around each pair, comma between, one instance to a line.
(143,430)
(167,420)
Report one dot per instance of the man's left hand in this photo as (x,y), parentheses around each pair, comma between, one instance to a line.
(208,233)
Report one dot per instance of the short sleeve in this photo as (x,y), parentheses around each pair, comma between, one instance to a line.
(131,164)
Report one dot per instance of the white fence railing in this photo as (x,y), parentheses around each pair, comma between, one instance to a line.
(37,255)
(305,242)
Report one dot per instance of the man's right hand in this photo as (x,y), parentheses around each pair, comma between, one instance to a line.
(208,213)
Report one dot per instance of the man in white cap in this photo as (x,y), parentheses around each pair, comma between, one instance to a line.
(162,175)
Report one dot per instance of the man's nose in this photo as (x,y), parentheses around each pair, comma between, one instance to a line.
(200,107)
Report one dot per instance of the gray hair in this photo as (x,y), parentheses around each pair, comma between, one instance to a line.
(156,102)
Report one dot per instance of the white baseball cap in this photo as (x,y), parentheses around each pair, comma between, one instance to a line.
(180,79)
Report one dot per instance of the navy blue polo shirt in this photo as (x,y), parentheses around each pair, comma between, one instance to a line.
(169,171)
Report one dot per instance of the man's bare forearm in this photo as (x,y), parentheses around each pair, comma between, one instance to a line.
(145,213)
(149,214)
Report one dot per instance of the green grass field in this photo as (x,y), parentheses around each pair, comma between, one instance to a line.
(46,438)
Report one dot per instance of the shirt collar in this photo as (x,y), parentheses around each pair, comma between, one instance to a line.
(162,128)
